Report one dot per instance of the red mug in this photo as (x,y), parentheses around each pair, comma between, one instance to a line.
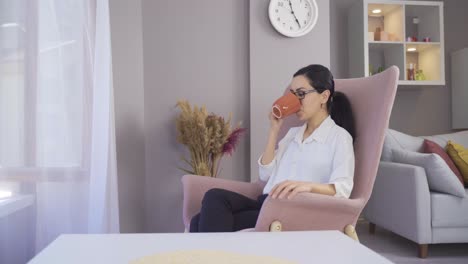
(286,105)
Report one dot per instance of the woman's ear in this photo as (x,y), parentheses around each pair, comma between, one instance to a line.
(325,96)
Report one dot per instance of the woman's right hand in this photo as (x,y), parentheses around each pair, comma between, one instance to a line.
(275,123)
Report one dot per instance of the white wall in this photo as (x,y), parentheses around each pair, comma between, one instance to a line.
(339,37)
(195,50)
(273,60)
(127,55)
(224,54)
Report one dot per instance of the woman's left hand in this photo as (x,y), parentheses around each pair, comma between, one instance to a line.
(289,189)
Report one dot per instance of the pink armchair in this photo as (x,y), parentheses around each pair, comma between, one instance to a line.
(372,101)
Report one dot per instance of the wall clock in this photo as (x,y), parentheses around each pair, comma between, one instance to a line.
(293,18)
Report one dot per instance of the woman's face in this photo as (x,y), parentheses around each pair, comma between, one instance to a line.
(312,101)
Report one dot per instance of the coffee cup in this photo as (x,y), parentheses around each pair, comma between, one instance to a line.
(286,105)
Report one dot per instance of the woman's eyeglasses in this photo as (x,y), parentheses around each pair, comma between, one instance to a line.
(300,94)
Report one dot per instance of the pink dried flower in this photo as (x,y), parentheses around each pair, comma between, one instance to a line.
(232,140)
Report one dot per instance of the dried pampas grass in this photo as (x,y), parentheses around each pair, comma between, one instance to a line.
(207,136)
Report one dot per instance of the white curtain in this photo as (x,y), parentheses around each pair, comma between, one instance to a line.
(57,140)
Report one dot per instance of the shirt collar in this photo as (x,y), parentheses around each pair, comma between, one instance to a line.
(320,134)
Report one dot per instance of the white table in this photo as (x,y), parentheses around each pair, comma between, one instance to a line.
(302,247)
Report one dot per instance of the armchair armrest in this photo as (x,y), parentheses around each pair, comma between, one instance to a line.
(309,211)
(400,201)
(195,187)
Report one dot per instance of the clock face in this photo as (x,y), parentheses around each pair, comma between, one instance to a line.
(293,18)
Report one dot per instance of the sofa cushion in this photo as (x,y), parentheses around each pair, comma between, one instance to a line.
(459,155)
(431,147)
(448,210)
(439,176)
(398,140)
(442,140)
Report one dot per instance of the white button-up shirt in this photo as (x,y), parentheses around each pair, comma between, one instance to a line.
(326,156)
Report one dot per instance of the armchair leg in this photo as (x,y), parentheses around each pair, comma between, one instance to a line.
(351,232)
(371,228)
(423,250)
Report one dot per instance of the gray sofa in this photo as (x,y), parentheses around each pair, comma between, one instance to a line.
(402,202)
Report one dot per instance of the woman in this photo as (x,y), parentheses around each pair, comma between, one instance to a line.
(317,157)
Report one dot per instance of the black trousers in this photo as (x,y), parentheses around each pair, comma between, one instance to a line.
(226,211)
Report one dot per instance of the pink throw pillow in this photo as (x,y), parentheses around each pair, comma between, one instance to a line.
(432,147)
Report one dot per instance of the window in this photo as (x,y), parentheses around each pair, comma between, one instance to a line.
(44,94)
(42,113)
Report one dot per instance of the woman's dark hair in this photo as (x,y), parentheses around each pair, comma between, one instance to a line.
(338,105)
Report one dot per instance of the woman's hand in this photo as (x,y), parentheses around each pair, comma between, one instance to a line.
(289,189)
(275,123)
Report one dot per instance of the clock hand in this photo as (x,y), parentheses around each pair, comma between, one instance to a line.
(292,12)
(298,23)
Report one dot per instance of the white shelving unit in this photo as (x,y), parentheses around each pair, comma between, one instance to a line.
(398,20)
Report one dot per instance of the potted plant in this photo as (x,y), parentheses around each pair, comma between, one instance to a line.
(208,138)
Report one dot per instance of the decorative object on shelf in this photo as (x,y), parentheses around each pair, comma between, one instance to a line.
(293,18)
(207,136)
(393,37)
(383,36)
(377,34)
(371,70)
(420,75)
(415,26)
(412,39)
(380,69)
(412,29)
(370,36)
(411,76)
(427,39)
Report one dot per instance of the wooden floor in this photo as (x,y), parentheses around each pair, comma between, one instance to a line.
(400,250)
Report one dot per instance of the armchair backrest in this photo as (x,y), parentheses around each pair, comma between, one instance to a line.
(372,101)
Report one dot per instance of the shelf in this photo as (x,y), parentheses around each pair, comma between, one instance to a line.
(397,22)
(383,45)
(422,43)
(406,82)
(385,42)
(421,46)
